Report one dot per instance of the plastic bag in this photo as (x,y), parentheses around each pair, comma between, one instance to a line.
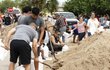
(65,48)
(46,51)
(1,43)
(3,53)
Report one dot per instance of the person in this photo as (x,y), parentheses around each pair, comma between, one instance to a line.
(26,10)
(15,18)
(56,42)
(92,24)
(34,17)
(60,24)
(41,28)
(81,26)
(41,35)
(7,19)
(75,32)
(19,45)
(27,16)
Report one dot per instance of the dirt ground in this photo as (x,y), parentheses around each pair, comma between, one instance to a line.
(92,54)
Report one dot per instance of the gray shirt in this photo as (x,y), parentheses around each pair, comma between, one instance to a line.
(39,22)
(25,19)
(26,33)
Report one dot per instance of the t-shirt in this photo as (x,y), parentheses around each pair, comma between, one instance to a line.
(93,25)
(25,19)
(39,22)
(81,27)
(60,22)
(26,33)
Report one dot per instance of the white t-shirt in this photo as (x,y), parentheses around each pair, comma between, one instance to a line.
(93,25)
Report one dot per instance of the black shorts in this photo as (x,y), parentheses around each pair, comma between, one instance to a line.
(20,48)
(55,47)
(81,36)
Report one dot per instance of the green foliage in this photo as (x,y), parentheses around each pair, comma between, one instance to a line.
(86,6)
(52,5)
(44,5)
(6,4)
(23,3)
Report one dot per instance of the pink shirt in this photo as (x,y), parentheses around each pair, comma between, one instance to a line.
(81,27)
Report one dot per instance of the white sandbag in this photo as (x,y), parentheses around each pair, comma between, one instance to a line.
(3,53)
(1,43)
(20,68)
(46,51)
(65,48)
(46,40)
(67,35)
(101,29)
(32,65)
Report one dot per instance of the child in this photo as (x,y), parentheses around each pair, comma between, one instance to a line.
(75,32)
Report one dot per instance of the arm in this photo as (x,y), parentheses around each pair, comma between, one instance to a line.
(88,24)
(61,42)
(11,32)
(53,40)
(34,47)
(41,34)
(85,25)
(75,27)
(42,29)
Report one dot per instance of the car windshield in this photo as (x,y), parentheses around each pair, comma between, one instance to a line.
(68,15)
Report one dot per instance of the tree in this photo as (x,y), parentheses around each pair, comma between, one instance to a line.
(6,4)
(23,3)
(52,5)
(86,6)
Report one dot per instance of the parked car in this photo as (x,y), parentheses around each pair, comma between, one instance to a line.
(69,16)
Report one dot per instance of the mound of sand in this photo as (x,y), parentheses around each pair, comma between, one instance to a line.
(5,30)
(92,54)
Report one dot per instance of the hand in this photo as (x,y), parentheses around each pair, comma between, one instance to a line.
(6,46)
(38,44)
(62,44)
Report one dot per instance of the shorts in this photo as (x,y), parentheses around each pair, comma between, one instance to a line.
(81,36)
(75,32)
(55,47)
(21,49)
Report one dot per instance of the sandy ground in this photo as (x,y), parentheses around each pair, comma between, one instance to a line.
(92,54)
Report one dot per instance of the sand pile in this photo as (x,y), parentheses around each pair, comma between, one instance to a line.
(92,54)
(5,30)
